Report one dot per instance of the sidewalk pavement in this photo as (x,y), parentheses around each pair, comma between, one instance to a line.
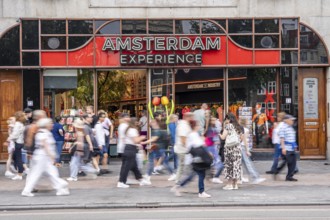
(311,189)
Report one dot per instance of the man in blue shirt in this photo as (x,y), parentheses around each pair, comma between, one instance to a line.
(289,145)
(58,133)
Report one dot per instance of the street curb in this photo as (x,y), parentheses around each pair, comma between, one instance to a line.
(151,205)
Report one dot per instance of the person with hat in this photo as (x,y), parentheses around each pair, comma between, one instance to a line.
(289,145)
(43,158)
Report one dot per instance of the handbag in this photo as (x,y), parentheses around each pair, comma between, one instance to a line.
(232,139)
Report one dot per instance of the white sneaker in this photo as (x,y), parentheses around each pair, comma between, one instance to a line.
(27,194)
(17,177)
(216,180)
(172,177)
(71,179)
(63,192)
(245,180)
(204,195)
(9,174)
(155,172)
(258,180)
(145,182)
(228,187)
(122,185)
(175,190)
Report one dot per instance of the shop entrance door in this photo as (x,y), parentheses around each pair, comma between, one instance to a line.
(312,124)
(10,102)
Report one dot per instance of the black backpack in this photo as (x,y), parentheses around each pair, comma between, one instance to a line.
(206,157)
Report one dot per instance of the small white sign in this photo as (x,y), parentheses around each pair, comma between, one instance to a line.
(288,100)
(29,103)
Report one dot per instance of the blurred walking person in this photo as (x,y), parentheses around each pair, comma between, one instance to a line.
(43,158)
(17,136)
(101,149)
(108,133)
(172,128)
(10,148)
(232,135)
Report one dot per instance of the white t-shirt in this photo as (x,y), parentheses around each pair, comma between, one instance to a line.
(40,137)
(130,135)
(143,123)
(194,140)
(275,137)
(121,137)
(182,130)
(106,125)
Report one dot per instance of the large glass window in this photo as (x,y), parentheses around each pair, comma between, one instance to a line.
(9,48)
(196,86)
(236,26)
(30,58)
(53,27)
(312,49)
(80,27)
(266,25)
(211,28)
(289,33)
(245,41)
(255,90)
(76,42)
(111,28)
(66,90)
(268,41)
(53,43)
(289,90)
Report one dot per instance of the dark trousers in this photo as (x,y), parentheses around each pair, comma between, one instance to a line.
(129,164)
(289,159)
(18,157)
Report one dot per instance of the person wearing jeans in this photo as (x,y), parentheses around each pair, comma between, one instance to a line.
(17,136)
(58,134)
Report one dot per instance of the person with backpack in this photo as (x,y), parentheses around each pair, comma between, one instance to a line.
(232,135)
(201,161)
(159,142)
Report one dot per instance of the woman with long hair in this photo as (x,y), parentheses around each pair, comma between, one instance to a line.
(132,142)
(233,156)
(17,136)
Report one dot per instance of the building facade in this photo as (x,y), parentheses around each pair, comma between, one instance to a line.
(253,58)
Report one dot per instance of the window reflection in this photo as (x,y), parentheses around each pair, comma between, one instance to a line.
(160,27)
(312,49)
(211,28)
(289,56)
(240,25)
(266,41)
(289,90)
(245,41)
(76,42)
(53,27)
(9,48)
(30,34)
(111,28)
(289,33)
(266,25)
(80,27)
(187,27)
(134,27)
(222,23)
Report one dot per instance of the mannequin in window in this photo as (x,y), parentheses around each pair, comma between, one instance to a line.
(260,124)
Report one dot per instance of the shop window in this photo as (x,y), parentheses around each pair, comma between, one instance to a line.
(211,28)
(272,87)
(76,42)
(240,26)
(266,25)
(187,26)
(289,33)
(31,89)
(245,41)
(286,89)
(160,27)
(134,27)
(30,58)
(266,41)
(289,56)
(53,43)
(80,26)
(312,48)
(111,28)
(9,48)
(53,27)
(30,34)
(222,23)
(249,88)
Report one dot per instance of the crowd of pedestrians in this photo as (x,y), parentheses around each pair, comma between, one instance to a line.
(199,145)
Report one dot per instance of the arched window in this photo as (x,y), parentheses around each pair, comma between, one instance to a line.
(9,48)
